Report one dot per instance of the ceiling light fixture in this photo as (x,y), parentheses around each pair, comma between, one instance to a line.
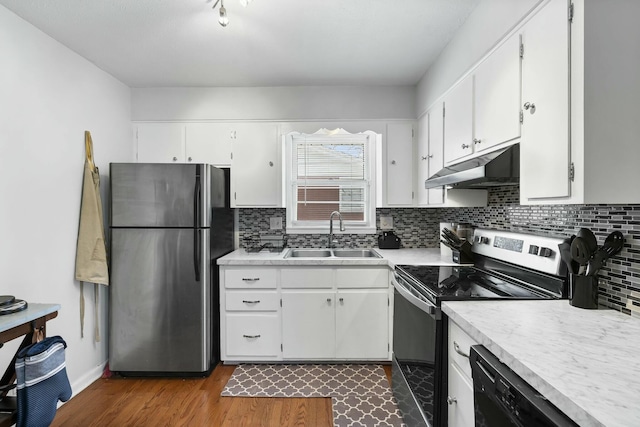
(224,19)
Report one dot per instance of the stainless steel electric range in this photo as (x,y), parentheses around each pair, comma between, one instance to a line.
(506,265)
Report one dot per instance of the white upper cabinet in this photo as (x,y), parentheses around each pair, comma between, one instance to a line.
(256,179)
(209,143)
(399,164)
(544,148)
(184,143)
(160,142)
(430,155)
(458,121)
(497,96)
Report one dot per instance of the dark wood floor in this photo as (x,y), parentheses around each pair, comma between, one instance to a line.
(187,402)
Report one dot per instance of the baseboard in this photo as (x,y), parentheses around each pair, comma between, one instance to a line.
(87,379)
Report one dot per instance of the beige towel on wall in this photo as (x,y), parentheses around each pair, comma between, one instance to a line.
(91,254)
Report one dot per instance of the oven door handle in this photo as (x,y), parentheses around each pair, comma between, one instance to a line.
(425,306)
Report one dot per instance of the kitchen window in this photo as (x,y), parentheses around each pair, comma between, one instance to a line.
(330,171)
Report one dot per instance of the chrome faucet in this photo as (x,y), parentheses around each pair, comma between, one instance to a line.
(331,226)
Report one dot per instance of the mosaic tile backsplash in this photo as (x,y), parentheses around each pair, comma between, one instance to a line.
(419,228)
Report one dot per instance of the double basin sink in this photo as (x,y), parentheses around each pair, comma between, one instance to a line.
(329,253)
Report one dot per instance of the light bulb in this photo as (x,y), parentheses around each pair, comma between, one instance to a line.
(224,19)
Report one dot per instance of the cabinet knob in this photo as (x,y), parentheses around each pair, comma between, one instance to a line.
(271,164)
(465,146)
(430,156)
(329,300)
(175,159)
(393,162)
(530,106)
(189,159)
(477,141)
(341,300)
(451,400)
(424,157)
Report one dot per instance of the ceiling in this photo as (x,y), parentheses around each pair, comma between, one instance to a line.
(171,43)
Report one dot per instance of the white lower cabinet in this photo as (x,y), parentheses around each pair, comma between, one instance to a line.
(249,335)
(362,324)
(308,324)
(460,383)
(304,313)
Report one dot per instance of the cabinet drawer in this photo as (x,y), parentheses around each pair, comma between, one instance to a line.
(250,278)
(252,335)
(458,339)
(362,277)
(251,301)
(307,278)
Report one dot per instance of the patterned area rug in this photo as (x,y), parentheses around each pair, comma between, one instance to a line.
(360,394)
(306,381)
(366,411)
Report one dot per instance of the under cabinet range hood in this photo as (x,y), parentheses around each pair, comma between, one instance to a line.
(496,168)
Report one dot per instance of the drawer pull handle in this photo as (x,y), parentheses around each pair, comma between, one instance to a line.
(456,347)
(250,302)
(451,400)
(251,336)
(250,279)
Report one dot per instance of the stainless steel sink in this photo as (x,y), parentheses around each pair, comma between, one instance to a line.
(355,253)
(328,253)
(308,253)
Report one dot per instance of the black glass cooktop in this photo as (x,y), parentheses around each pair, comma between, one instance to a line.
(460,282)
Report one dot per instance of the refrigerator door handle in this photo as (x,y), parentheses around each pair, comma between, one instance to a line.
(196,223)
(197,248)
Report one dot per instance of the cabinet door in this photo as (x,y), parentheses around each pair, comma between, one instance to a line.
(209,143)
(160,142)
(362,325)
(430,154)
(308,325)
(497,96)
(399,164)
(255,167)
(458,121)
(460,398)
(545,144)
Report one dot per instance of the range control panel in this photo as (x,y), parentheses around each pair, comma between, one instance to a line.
(533,251)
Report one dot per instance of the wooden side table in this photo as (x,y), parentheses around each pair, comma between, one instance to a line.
(30,323)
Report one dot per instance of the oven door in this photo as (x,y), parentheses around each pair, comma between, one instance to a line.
(416,376)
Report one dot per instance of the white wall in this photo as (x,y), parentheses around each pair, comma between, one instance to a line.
(48,97)
(274,103)
(490,21)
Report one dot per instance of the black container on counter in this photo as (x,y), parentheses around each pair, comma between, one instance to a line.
(388,240)
(583,291)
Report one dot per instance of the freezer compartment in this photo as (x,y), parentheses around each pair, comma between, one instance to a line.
(160,301)
(165,195)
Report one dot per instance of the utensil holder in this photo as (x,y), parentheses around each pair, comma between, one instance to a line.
(583,291)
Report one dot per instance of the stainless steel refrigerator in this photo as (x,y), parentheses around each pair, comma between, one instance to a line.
(168,225)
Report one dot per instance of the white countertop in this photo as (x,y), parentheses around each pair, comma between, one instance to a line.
(586,362)
(390,257)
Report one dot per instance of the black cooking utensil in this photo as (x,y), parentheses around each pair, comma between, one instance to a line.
(589,238)
(596,262)
(565,254)
(580,251)
(448,245)
(613,243)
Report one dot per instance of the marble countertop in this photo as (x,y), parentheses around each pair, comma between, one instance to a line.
(586,362)
(390,257)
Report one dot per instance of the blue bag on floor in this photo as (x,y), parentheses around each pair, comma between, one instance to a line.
(42,380)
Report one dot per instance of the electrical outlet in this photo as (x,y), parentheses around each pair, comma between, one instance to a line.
(275,223)
(386,222)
